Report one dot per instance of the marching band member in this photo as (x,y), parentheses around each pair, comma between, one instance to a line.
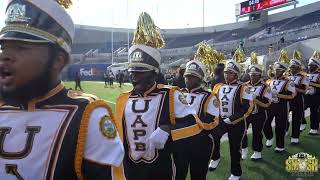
(262,101)
(235,105)
(196,151)
(151,116)
(47,131)
(313,92)
(301,83)
(282,91)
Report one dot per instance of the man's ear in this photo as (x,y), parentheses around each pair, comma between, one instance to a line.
(60,61)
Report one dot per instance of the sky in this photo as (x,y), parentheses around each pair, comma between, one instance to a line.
(167,14)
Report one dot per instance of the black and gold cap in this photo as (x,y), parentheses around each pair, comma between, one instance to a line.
(38,21)
(144,55)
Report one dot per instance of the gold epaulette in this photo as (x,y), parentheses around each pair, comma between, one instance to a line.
(268,81)
(80,95)
(216,88)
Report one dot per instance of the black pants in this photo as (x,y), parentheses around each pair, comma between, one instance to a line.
(297,108)
(257,120)
(279,111)
(235,135)
(106,82)
(111,82)
(161,169)
(312,101)
(78,85)
(120,83)
(194,152)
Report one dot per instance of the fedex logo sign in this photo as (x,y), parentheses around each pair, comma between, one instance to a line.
(90,72)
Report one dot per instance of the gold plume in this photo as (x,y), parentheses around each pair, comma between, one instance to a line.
(147,32)
(316,55)
(284,56)
(254,58)
(239,56)
(297,55)
(65,3)
(207,55)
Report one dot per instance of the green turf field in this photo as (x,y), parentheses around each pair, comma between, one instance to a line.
(272,167)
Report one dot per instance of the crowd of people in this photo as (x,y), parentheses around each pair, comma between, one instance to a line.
(157,131)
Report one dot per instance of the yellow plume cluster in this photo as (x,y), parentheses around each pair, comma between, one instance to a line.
(254,58)
(297,55)
(147,32)
(316,55)
(208,56)
(65,3)
(284,56)
(239,56)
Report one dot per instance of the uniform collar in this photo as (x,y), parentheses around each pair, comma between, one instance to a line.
(52,92)
(153,87)
(260,80)
(192,90)
(30,105)
(233,82)
(281,78)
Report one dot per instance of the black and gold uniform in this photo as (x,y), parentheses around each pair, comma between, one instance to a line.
(235,105)
(301,83)
(313,94)
(195,152)
(282,91)
(141,115)
(151,116)
(262,101)
(62,135)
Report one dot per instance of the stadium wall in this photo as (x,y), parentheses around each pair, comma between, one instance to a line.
(88,72)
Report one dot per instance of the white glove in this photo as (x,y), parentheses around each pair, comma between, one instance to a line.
(227,121)
(157,139)
(254,96)
(274,93)
(311,91)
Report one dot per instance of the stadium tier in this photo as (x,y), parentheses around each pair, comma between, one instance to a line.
(95,44)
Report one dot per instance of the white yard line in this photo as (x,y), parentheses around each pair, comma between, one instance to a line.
(111,102)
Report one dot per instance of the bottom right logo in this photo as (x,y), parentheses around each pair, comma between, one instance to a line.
(302,164)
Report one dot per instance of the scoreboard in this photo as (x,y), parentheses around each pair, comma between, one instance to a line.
(250,6)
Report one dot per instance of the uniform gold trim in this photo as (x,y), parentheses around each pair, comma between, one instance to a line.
(261,104)
(150,90)
(171,105)
(185,132)
(32,30)
(314,84)
(118,173)
(82,134)
(216,88)
(213,124)
(56,90)
(250,109)
(282,96)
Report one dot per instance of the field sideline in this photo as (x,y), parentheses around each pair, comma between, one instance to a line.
(271,167)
